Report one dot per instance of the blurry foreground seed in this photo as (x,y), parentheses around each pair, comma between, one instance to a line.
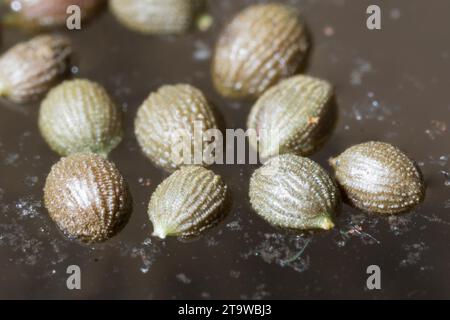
(156,16)
(29,69)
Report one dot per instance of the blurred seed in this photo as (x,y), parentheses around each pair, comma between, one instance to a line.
(29,69)
(379,178)
(298,115)
(79,116)
(48,13)
(87,198)
(156,16)
(167,119)
(262,45)
(187,203)
(294,193)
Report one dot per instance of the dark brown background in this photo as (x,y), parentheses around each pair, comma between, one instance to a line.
(392,85)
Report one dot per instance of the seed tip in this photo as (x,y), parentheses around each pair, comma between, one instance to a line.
(326,223)
(159,232)
(332,162)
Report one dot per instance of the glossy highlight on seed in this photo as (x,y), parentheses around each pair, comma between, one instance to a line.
(295,193)
(189,202)
(262,45)
(87,197)
(379,178)
(29,69)
(297,116)
(79,116)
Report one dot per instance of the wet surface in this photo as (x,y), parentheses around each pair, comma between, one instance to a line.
(392,85)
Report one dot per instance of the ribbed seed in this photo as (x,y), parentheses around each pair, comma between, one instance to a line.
(187,203)
(297,116)
(294,193)
(377,177)
(79,116)
(156,16)
(87,198)
(166,121)
(30,69)
(262,45)
(48,13)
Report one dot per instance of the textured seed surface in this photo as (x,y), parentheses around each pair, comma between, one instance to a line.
(156,16)
(79,116)
(87,198)
(379,178)
(31,68)
(297,116)
(262,44)
(187,203)
(49,13)
(294,193)
(166,118)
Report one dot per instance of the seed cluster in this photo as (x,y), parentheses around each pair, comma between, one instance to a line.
(257,56)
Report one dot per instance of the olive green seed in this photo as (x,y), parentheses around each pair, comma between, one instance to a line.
(79,116)
(295,116)
(262,45)
(186,204)
(157,16)
(29,69)
(87,197)
(379,178)
(294,193)
(168,120)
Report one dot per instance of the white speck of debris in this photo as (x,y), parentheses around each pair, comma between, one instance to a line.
(395,14)
(202,51)
(74,70)
(16,6)
(31,181)
(328,31)
(28,207)
(183,278)
(283,250)
(235,274)
(234,226)
(442,161)
(446,177)
(447,204)
(362,68)
(414,254)
(11,159)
